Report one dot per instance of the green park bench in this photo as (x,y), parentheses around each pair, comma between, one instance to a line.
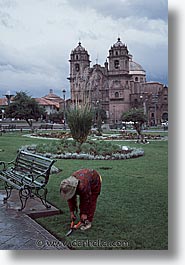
(29,174)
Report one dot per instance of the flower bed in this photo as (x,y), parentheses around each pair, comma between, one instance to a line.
(58,135)
(91,150)
(122,136)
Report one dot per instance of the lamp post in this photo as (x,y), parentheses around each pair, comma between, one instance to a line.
(144,100)
(114,116)
(141,100)
(98,116)
(2,114)
(8,95)
(155,101)
(64,94)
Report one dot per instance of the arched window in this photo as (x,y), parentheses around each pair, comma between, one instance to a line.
(77,67)
(116,64)
(77,57)
(136,79)
(116,94)
(165,116)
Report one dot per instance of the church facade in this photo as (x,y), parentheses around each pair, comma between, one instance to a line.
(117,86)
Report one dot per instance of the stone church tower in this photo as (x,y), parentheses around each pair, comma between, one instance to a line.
(79,62)
(119,81)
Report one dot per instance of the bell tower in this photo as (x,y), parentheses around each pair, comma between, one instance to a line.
(118,59)
(119,81)
(79,60)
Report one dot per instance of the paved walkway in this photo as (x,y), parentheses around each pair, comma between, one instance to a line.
(19,231)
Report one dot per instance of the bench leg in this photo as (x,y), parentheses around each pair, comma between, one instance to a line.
(24,194)
(41,194)
(8,189)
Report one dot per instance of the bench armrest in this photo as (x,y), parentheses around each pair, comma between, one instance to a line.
(4,165)
(43,177)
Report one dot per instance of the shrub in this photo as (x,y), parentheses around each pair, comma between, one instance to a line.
(80,120)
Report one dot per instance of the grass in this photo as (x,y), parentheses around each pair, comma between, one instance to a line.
(132,210)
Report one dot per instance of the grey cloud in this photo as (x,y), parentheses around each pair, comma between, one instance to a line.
(8,3)
(124,8)
(5,20)
(35,74)
(88,34)
(35,52)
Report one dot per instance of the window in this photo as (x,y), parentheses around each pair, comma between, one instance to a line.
(116,82)
(77,67)
(165,116)
(76,57)
(116,95)
(116,64)
(136,79)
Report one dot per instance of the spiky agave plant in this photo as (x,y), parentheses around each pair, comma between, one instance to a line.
(80,119)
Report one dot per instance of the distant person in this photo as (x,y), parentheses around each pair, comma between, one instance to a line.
(86,183)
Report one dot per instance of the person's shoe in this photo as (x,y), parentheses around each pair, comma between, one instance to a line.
(86,226)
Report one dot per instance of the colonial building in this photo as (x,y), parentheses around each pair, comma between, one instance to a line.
(51,102)
(117,86)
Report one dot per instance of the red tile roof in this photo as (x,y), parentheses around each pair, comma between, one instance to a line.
(3,102)
(49,100)
(46,102)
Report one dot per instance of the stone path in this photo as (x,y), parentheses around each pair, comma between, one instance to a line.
(19,231)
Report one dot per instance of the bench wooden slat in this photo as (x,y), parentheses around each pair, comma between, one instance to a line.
(31,160)
(28,160)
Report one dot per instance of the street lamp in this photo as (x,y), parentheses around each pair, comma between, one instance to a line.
(141,100)
(114,115)
(2,114)
(155,101)
(8,95)
(64,93)
(144,105)
(99,121)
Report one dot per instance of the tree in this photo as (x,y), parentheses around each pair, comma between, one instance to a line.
(24,107)
(57,117)
(79,120)
(138,118)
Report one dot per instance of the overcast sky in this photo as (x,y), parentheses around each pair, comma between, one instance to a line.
(37,36)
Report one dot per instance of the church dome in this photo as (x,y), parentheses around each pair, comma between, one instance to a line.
(135,68)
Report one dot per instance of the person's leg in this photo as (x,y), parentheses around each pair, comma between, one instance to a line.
(92,207)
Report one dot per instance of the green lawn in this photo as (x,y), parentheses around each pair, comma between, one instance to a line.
(132,210)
